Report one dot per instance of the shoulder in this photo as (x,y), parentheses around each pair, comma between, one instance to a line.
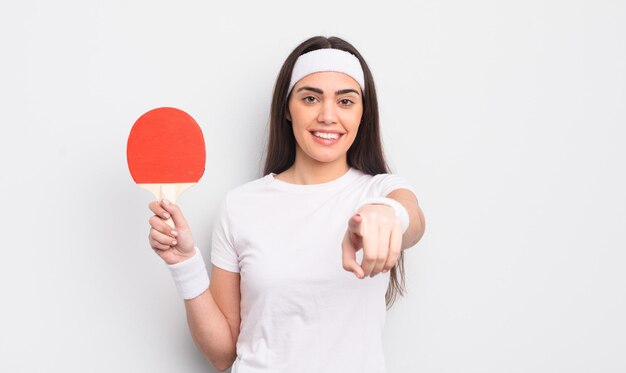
(383,184)
(387,177)
(244,193)
(252,186)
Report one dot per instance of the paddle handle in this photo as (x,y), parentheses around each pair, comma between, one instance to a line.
(167,191)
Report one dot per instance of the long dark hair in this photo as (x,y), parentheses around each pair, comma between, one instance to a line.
(366,152)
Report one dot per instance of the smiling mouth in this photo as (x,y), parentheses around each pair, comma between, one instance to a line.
(326,135)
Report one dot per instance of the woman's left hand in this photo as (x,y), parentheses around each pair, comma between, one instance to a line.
(375,229)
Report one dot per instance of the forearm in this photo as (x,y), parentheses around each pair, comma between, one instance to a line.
(416,228)
(210,330)
(417,223)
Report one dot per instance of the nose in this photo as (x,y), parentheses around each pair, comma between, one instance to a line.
(327,113)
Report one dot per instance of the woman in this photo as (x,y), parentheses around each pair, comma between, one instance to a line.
(301,257)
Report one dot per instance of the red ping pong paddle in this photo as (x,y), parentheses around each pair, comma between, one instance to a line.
(166,152)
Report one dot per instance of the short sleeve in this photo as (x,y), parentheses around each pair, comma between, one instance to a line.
(223,253)
(383,184)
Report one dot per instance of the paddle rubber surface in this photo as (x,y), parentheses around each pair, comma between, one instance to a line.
(166,146)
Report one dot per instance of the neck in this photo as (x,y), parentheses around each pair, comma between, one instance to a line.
(313,172)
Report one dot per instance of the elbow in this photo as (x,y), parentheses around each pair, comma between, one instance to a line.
(223,361)
(220,355)
(419,237)
(416,235)
(222,368)
(222,364)
(421,227)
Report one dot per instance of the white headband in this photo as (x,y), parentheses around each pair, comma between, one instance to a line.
(327,59)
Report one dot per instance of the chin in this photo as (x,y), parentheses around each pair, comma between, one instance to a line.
(327,159)
(328,156)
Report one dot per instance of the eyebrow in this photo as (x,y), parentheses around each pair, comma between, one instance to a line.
(317,90)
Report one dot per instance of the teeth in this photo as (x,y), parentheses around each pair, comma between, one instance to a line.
(326,135)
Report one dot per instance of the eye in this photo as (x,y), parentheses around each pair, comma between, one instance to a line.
(309,99)
(346,102)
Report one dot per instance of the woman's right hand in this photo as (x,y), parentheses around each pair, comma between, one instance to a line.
(173,245)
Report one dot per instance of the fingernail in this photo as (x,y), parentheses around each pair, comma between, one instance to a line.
(174,242)
(166,215)
(166,201)
(174,233)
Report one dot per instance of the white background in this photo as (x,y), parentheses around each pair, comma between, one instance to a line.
(508,118)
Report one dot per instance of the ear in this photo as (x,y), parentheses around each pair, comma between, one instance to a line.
(288,115)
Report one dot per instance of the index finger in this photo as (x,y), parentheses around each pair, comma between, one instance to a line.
(354,224)
(370,249)
(158,210)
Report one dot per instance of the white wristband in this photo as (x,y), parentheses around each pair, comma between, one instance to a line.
(400,211)
(190,276)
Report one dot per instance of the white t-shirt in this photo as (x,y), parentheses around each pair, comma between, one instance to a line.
(300,310)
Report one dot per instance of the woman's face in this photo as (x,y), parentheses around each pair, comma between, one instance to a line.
(325,110)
